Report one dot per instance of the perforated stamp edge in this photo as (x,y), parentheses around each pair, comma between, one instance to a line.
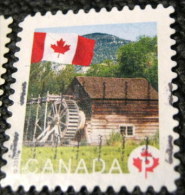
(4,31)
(90,181)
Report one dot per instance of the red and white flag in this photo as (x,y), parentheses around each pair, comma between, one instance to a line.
(62,48)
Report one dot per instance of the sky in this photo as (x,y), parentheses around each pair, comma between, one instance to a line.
(128,31)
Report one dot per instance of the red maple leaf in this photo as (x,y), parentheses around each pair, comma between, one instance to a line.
(60,47)
(155,164)
(145,153)
(138,163)
(155,160)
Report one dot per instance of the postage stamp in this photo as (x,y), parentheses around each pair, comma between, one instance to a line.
(4,30)
(93,101)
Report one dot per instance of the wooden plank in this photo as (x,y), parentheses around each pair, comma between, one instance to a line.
(104,101)
(126,105)
(119,121)
(103,117)
(127,113)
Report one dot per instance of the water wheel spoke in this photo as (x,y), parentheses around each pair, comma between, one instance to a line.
(62,123)
(57,108)
(61,117)
(62,111)
(51,118)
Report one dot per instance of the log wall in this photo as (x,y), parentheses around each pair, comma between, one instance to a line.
(108,115)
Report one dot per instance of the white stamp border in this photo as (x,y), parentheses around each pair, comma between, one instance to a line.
(4,31)
(160,15)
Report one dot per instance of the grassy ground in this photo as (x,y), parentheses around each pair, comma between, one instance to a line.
(88,153)
(113,150)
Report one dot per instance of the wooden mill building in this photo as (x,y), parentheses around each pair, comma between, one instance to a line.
(124,105)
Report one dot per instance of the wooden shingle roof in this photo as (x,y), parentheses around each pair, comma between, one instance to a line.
(117,88)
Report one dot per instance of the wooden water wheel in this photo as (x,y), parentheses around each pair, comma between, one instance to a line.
(62,120)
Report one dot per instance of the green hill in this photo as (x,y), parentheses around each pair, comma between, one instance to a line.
(106,46)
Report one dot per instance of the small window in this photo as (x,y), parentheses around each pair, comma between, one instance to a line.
(130,130)
(122,130)
(127,130)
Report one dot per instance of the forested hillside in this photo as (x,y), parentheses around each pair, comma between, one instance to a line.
(106,46)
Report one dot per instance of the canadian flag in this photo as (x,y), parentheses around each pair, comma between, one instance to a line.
(62,48)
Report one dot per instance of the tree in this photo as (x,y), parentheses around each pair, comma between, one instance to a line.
(139,59)
(106,69)
(41,75)
(64,77)
(43,78)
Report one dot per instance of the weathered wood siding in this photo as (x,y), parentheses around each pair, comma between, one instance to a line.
(108,115)
(104,116)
